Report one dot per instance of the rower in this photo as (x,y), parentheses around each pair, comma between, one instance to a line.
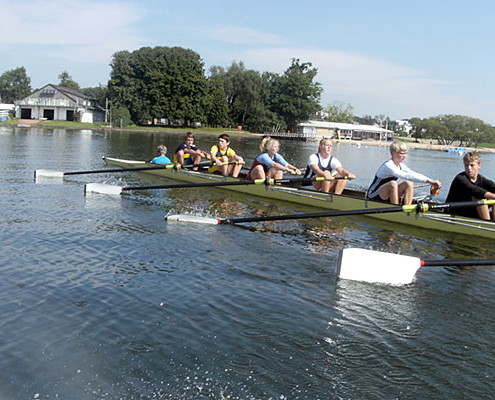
(385,187)
(324,164)
(162,156)
(187,153)
(224,158)
(471,185)
(270,164)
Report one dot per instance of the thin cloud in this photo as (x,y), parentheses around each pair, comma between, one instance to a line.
(241,35)
(372,86)
(75,30)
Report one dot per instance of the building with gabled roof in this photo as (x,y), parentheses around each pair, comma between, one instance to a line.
(58,103)
(338,130)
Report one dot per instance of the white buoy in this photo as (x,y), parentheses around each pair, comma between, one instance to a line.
(377,267)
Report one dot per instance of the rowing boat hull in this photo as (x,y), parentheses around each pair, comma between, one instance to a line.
(308,197)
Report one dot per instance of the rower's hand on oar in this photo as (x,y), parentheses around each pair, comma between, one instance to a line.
(351,176)
(435,186)
(294,171)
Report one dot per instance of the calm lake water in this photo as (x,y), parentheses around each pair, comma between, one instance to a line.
(100,298)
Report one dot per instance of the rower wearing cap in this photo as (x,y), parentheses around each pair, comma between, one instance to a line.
(162,156)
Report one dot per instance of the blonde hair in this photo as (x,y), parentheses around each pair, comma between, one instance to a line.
(267,143)
(397,146)
(161,148)
(472,156)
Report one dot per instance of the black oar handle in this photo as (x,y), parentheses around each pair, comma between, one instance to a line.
(444,263)
(457,204)
(312,215)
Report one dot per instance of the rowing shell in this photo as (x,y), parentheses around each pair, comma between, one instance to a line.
(350,200)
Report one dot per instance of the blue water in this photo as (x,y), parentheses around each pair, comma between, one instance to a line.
(100,298)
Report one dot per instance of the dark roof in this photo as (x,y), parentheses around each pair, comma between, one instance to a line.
(69,92)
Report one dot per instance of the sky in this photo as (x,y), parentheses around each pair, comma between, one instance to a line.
(391,57)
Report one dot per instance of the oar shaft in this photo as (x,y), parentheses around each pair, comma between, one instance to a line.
(445,263)
(268,182)
(147,168)
(313,215)
(190,185)
(102,171)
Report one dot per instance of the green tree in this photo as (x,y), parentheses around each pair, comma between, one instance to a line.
(466,130)
(450,128)
(216,109)
(340,112)
(66,80)
(99,93)
(248,95)
(120,117)
(295,97)
(14,85)
(366,120)
(159,82)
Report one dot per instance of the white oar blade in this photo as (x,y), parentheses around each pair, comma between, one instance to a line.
(191,219)
(47,173)
(377,267)
(102,188)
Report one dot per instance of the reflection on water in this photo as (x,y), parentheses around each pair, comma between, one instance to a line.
(102,299)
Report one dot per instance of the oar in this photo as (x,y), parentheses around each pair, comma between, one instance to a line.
(47,173)
(421,207)
(116,190)
(377,267)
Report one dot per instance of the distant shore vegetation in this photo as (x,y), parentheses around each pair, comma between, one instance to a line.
(169,87)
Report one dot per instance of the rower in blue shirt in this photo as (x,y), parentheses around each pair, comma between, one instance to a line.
(162,156)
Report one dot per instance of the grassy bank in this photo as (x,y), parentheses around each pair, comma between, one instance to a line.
(133,128)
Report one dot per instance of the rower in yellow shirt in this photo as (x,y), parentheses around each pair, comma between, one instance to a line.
(222,153)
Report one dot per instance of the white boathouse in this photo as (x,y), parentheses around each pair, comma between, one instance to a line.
(58,103)
(320,129)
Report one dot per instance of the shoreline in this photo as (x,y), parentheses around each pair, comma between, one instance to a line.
(422,144)
(414,145)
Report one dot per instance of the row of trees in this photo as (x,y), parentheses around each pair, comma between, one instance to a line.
(170,83)
(448,129)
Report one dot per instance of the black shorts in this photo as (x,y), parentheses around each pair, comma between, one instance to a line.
(377,198)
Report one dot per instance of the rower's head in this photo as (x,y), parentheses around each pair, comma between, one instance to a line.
(325,146)
(398,151)
(223,141)
(472,164)
(162,149)
(189,139)
(269,145)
